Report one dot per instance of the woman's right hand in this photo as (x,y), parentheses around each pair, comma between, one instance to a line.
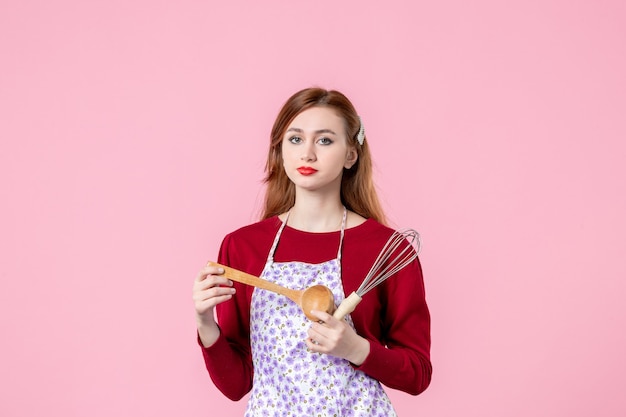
(209,290)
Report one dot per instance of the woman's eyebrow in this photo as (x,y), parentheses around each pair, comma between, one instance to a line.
(298,130)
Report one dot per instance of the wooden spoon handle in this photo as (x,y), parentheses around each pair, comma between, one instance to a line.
(248,279)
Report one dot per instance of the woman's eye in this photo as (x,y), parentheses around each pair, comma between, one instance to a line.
(295,139)
(325,141)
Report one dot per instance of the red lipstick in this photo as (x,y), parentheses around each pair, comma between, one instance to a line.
(307,170)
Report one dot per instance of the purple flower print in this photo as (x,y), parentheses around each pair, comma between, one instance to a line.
(291,363)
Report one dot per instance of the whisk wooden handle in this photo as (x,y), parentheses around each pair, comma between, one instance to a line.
(248,279)
(347,306)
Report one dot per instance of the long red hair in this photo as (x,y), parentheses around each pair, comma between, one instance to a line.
(358,192)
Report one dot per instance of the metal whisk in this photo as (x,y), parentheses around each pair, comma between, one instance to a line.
(407,241)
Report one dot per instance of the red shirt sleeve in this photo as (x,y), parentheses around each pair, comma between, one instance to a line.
(229,359)
(400,359)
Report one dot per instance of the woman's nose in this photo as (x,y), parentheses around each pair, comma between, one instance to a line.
(308,153)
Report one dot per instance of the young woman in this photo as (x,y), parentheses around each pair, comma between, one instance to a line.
(322,224)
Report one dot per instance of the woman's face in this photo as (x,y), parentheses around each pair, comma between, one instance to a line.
(315,150)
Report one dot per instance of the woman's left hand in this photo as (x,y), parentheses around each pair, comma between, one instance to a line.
(337,338)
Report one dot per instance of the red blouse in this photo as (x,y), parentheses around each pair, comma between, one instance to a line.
(393,316)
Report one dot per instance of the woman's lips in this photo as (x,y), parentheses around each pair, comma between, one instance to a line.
(307,170)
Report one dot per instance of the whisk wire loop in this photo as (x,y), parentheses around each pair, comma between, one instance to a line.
(404,245)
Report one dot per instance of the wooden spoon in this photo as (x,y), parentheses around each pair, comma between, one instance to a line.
(316,297)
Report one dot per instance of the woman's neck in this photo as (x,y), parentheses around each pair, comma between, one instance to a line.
(316,215)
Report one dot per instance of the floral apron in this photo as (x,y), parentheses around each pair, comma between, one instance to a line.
(290,380)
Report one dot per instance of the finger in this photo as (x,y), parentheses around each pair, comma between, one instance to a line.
(319,334)
(214,300)
(212,281)
(202,307)
(212,292)
(324,317)
(314,346)
(328,332)
(209,270)
(312,333)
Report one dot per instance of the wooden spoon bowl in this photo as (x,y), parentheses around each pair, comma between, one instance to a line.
(316,297)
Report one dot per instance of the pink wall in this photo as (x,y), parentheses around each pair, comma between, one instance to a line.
(133,138)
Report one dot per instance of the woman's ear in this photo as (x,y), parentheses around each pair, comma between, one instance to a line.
(351,158)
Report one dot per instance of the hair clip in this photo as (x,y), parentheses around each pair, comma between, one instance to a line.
(360,137)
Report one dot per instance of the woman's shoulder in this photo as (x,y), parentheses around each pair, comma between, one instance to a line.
(247,247)
(257,230)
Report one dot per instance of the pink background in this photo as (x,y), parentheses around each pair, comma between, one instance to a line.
(134,135)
